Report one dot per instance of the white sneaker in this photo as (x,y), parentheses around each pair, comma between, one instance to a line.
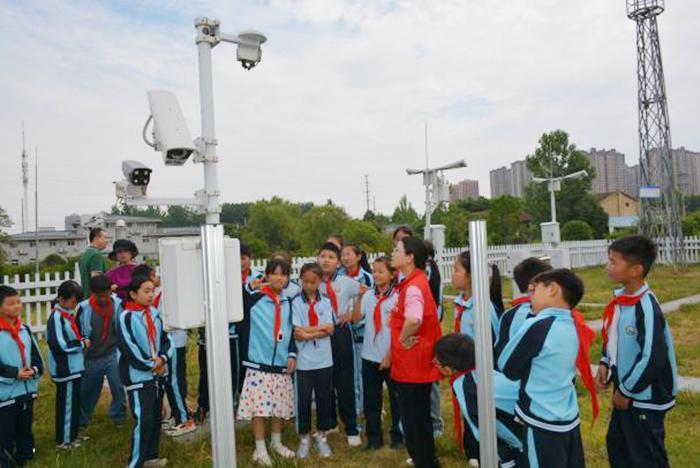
(409,461)
(262,458)
(157,462)
(68,446)
(167,424)
(474,462)
(324,450)
(182,429)
(304,447)
(354,440)
(282,451)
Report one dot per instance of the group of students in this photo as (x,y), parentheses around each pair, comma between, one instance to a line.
(326,342)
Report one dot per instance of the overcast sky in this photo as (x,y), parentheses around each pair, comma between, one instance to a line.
(343,90)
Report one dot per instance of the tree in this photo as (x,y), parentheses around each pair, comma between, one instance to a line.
(692,203)
(272,226)
(474,205)
(236,213)
(576,229)
(318,223)
(556,157)
(148,211)
(180,216)
(456,223)
(366,235)
(691,224)
(5,239)
(504,220)
(53,261)
(405,214)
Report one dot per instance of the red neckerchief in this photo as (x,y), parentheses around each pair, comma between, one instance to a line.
(156,301)
(104,312)
(456,411)
(71,319)
(135,307)
(14,330)
(459,310)
(313,316)
(244,274)
(355,273)
(381,297)
(586,335)
(278,312)
(332,296)
(622,300)
(520,300)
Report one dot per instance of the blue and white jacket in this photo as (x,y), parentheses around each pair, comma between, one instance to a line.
(467,318)
(13,390)
(134,355)
(265,352)
(644,365)
(365,278)
(509,432)
(510,322)
(542,355)
(66,350)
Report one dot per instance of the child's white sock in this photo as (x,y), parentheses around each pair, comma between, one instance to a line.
(276,438)
(260,446)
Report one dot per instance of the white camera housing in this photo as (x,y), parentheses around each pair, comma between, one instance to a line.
(249,51)
(125,190)
(137,173)
(171,135)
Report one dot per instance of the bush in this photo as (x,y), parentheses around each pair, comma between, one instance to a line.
(577,230)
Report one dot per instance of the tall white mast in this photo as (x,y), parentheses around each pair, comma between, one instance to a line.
(25,185)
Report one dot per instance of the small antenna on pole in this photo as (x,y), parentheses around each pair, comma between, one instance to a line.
(426,144)
(25,185)
(367,190)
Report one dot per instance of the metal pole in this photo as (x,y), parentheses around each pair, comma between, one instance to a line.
(36,211)
(214,272)
(552,201)
(483,344)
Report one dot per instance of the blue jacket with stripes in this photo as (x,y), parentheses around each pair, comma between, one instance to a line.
(505,391)
(646,362)
(136,361)
(542,355)
(510,322)
(265,352)
(13,390)
(66,350)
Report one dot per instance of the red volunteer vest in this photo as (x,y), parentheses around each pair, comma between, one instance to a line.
(415,365)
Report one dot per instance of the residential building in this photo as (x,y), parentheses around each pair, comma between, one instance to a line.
(501,182)
(464,189)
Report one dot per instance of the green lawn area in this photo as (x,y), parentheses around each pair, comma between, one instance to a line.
(109,445)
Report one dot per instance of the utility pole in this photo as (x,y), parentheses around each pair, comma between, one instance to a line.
(36,211)
(367,190)
(25,185)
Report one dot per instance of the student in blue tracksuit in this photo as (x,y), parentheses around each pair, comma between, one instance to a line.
(455,356)
(356,267)
(66,361)
(268,390)
(174,383)
(520,310)
(463,316)
(542,355)
(375,307)
(638,358)
(144,352)
(312,318)
(341,291)
(21,368)
(96,319)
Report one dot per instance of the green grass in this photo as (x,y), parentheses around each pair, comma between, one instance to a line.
(685,327)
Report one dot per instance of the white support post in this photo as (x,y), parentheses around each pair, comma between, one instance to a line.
(483,345)
(214,271)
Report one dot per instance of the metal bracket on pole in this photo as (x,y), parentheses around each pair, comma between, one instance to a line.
(483,344)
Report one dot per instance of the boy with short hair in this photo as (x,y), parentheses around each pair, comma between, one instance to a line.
(21,367)
(454,355)
(97,317)
(638,358)
(513,318)
(545,355)
(341,291)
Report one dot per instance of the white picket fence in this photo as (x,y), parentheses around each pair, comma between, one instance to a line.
(38,290)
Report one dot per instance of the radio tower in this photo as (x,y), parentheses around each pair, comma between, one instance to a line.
(25,185)
(660,216)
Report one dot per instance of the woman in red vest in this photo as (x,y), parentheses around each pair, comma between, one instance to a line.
(415,328)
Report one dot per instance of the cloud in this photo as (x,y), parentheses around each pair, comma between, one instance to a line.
(343,90)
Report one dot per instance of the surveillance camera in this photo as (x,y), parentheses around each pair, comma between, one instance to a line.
(249,50)
(170,132)
(136,173)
